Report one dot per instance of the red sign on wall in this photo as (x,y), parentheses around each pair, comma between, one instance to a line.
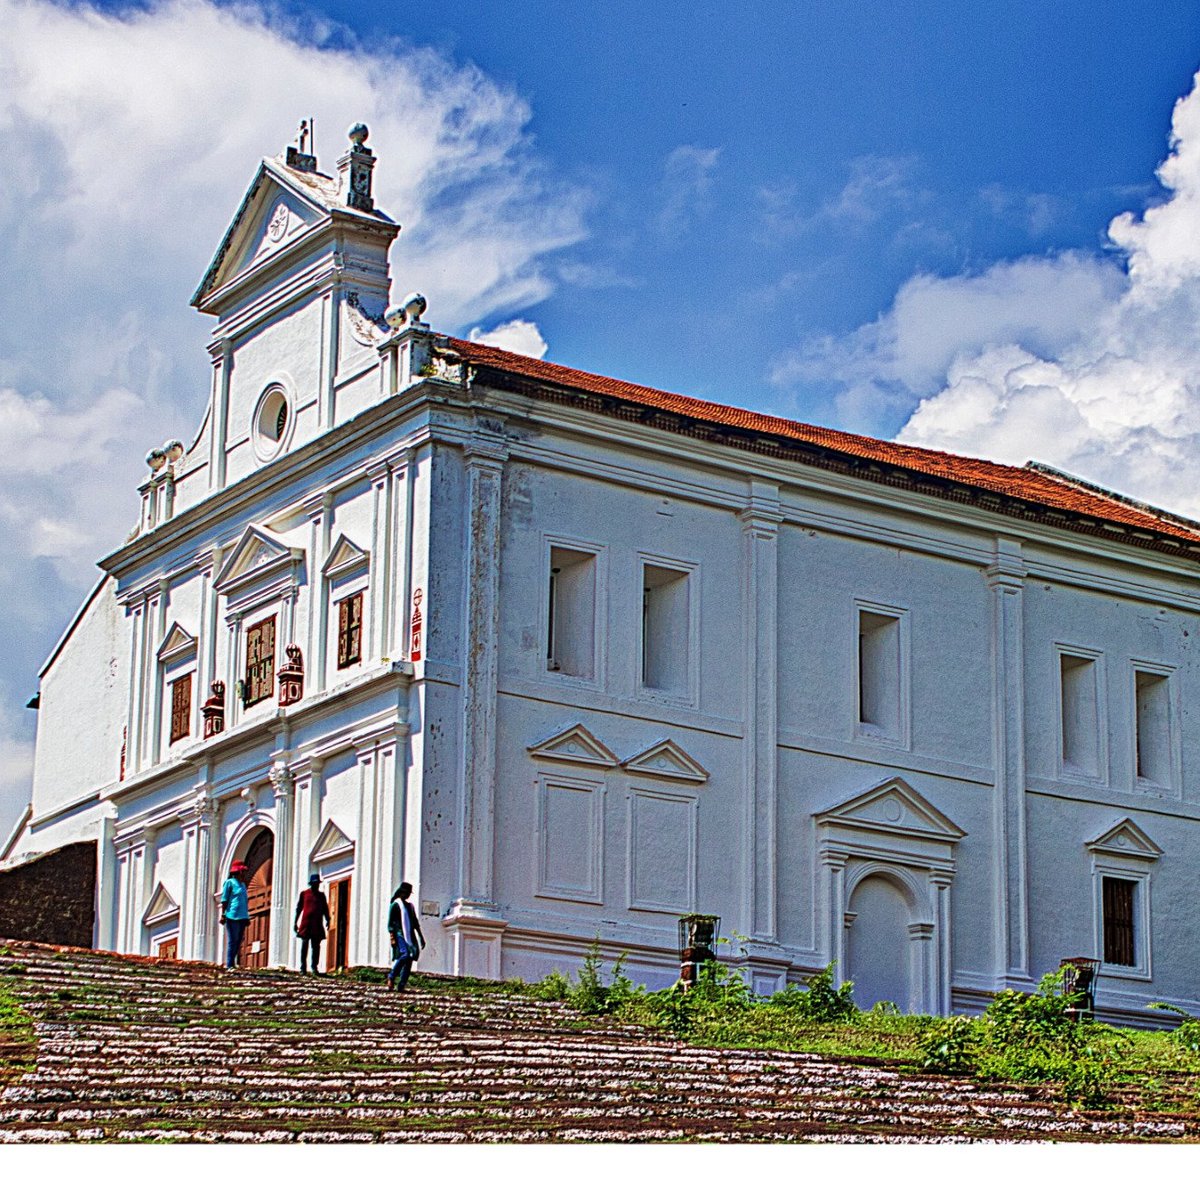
(415,653)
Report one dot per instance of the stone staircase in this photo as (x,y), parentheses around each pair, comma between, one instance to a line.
(130,1049)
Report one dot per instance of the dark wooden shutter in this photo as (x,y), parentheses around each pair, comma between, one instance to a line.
(260,661)
(350,631)
(181,707)
(1119,947)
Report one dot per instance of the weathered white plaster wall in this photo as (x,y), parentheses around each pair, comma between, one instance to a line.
(82,709)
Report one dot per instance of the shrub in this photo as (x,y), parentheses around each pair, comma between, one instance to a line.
(948,1046)
(590,993)
(819,1000)
(556,986)
(1030,1037)
(1031,1018)
(1187,1033)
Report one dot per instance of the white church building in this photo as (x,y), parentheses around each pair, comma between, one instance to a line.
(576,656)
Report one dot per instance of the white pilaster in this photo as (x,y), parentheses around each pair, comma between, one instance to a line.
(283,892)
(155,683)
(233,702)
(331,313)
(222,358)
(833,918)
(364,943)
(397,650)
(1005,579)
(381,547)
(760,539)
(133,722)
(105,929)
(196,908)
(206,660)
(319,510)
(485,465)
(939,900)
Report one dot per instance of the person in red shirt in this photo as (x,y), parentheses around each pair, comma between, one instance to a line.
(312,922)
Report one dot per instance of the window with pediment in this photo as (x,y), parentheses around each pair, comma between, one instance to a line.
(349,644)
(260,661)
(181,707)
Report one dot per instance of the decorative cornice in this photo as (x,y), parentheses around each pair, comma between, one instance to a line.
(828,459)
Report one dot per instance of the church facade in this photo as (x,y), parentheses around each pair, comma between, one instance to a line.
(575,657)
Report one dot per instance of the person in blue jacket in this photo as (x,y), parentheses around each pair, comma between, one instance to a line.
(407,939)
(235,911)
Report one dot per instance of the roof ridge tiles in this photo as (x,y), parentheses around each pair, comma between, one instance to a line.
(1033,484)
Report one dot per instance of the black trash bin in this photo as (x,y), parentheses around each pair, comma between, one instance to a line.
(1079,982)
(698,933)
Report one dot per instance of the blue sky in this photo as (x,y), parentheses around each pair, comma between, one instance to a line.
(969,132)
(938,221)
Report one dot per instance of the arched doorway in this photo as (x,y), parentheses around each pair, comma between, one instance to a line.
(260,858)
(879,944)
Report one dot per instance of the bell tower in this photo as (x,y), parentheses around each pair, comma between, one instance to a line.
(298,287)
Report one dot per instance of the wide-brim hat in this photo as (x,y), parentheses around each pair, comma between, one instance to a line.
(237,866)
(314,878)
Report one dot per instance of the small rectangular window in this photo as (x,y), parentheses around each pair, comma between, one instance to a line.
(879,682)
(666,617)
(1120,946)
(181,707)
(1153,728)
(260,662)
(571,613)
(1080,714)
(349,643)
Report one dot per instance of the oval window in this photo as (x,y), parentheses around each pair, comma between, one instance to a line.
(271,422)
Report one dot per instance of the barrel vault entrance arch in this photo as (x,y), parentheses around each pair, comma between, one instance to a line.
(891,831)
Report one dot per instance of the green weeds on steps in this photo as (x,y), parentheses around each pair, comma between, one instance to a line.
(18,1043)
(1020,1038)
(1187,1033)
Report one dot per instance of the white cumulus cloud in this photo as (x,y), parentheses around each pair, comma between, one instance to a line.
(518,336)
(127,139)
(1088,361)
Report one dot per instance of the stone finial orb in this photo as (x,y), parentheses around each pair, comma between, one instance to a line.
(173,451)
(395,317)
(156,460)
(358,135)
(414,306)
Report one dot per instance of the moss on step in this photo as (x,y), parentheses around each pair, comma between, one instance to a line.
(18,1041)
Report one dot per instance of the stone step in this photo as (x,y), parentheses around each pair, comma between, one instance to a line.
(136,1049)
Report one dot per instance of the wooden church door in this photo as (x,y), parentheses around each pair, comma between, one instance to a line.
(260,858)
(337,956)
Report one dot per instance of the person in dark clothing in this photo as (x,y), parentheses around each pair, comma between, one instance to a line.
(312,922)
(407,939)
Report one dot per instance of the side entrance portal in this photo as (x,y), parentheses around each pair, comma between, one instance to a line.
(885,863)
(260,859)
(878,956)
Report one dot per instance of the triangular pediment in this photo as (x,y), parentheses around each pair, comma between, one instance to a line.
(281,208)
(345,559)
(177,644)
(1126,839)
(162,908)
(255,556)
(331,843)
(575,745)
(895,806)
(274,213)
(667,761)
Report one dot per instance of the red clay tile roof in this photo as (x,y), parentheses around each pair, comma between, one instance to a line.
(1019,483)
